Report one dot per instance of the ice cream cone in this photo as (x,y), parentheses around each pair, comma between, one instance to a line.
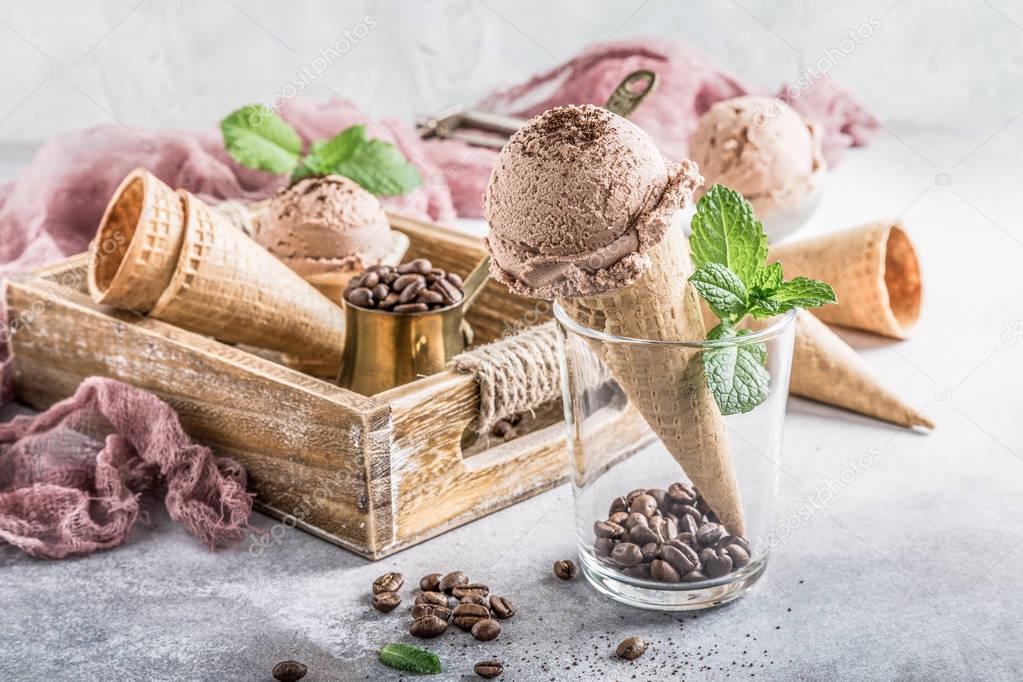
(227,286)
(668,385)
(874,271)
(132,258)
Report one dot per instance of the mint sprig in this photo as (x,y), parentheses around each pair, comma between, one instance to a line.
(729,250)
(410,658)
(256,137)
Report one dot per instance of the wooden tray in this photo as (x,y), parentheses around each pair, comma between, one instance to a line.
(371,474)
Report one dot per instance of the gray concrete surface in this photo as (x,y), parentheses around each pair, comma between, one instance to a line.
(906,569)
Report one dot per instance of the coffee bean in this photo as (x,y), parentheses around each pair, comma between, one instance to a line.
(603,546)
(626,554)
(467,615)
(460,591)
(633,494)
(630,648)
(687,526)
(685,539)
(717,564)
(449,291)
(740,557)
(620,518)
(435,598)
(411,308)
(423,610)
(409,293)
(642,535)
(386,602)
(681,493)
(663,571)
(388,582)
(429,297)
(502,607)
(454,279)
(565,569)
(472,599)
(619,504)
(603,529)
(650,551)
(735,540)
(380,292)
(486,630)
(388,276)
(644,504)
(389,301)
(639,571)
(420,266)
(635,519)
(709,533)
(693,577)
(683,559)
(370,279)
(666,529)
(289,671)
(488,670)
(428,627)
(361,297)
(430,582)
(449,581)
(689,510)
(659,495)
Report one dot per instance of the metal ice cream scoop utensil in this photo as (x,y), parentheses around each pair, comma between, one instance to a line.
(387,349)
(459,122)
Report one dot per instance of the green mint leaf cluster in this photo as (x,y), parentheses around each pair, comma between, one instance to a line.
(410,658)
(256,137)
(729,249)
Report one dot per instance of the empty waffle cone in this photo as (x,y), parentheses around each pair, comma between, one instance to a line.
(132,258)
(667,384)
(874,271)
(227,286)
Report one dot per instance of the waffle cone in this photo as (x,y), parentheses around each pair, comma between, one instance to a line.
(874,271)
(667,384)
(132,258)
(227,286)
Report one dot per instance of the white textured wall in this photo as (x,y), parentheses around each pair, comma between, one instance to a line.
(931,63)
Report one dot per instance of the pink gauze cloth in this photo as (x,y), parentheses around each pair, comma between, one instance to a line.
(71,477)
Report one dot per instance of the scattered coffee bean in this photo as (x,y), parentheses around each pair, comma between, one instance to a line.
(448,582)
(430,583)
(631,648)
(488,670)
(434,598)
(626,554)
(416,283)
(467,615)
(289,671)
(504,429)
(428,626)
(502,607)
(385,602)
(486,630)
(459,591)
(565,569)
(473,599)
(663,571)
(423,610)
(388,582)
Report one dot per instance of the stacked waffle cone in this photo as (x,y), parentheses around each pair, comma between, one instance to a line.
(187,264)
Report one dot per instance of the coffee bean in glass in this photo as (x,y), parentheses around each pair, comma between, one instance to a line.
(423,610)
(659,495)
(681,493)
(626,554)
(488,670)
(467,615)
(633,494)
(740,557)
(502,607)
(619,504)
(734,540)
(642,535)
(685,539)
(621,518)
(430,582)
(716,562)
(693,577)
(650,551)
(635,519)
(428,627)
(459,591)
(631,648)
(663,571)
(486,629)
(385,602)
(683,559)
(687,525)
(708,534)
(388,582)
(435,598)
(289,671)
(448,582)
(565,569)
(639,571)
(603,546)
(604,529)
(644,504)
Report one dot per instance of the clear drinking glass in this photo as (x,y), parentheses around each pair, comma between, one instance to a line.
(604,472)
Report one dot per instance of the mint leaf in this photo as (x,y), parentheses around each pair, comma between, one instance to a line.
(803,292)
(736,374)
(725,231)
(768,278)
(256,137)
(409,658)
(376,165)
(719,286)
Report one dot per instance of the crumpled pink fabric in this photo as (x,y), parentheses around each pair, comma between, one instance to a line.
(71,477)
(845,123)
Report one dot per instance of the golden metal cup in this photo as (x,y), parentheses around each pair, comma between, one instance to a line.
(387,349)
